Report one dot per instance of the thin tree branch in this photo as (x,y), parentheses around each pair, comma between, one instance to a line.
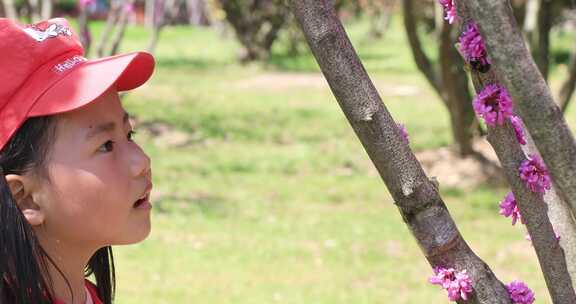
(422,62)
(416,197)
(532,206)
(518,72)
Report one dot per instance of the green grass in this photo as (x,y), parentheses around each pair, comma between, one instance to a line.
(274,199)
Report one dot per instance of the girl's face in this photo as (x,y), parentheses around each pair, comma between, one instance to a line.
(97,173)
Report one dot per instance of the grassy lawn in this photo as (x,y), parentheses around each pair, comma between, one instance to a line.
(271,198)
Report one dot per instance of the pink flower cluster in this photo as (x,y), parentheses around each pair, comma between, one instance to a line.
(534,174)
(403,132)
(457,284)
(473,48)
(493,104)
(509,207)
(449,10)
(520,293)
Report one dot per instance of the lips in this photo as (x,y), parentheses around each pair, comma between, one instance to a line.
(145,198)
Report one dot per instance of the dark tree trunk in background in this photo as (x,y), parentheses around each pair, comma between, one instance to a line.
(111,21)
(34,10)
(159,20)
(198,12)
(539,38)
(447,79)
(256,24)
(47,8)
(85,34)
(10,9)
(455,87)
(125,13)
(567,89)
(416,197)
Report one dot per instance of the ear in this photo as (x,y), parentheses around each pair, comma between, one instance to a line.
(21,188)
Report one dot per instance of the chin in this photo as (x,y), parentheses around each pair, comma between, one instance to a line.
(136,235)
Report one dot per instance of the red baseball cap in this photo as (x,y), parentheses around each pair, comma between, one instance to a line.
(43,72)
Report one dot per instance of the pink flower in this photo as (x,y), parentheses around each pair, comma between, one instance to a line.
(449,10)
(457,284)
(520,293)
(403,132)
(508,207)
(534,174)
(473,48)
(517,125)
(494,104)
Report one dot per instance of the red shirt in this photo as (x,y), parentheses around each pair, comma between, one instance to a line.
(93,293)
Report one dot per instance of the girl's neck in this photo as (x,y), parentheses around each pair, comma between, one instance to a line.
(71,261)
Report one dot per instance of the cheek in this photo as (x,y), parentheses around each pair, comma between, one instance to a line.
(86,205)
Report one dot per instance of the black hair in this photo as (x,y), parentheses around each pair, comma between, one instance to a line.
(24,277)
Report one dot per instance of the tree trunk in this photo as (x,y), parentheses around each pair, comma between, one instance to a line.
(541,45)
(421,59)
(121,29)
(34,10)
(47,7)
(455,86)
(159,21)
(416,197)
(197,12)
(531,95)
(111,21)
(10,9)
(447,79)
(256,24)
(85,35)
(569,84)
(149,11)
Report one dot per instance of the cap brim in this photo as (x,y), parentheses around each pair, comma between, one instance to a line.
(91,79)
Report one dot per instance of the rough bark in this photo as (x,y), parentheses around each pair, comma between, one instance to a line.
(532,98)
(416,197)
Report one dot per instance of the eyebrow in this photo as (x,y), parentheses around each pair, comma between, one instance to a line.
(105,127)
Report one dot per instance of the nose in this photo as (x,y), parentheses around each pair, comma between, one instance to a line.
(140,164)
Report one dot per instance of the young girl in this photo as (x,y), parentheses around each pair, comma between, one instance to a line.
(73,182)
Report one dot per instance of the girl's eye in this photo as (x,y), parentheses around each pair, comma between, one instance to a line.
(109,145)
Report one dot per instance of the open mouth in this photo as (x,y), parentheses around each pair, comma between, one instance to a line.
(142,202)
